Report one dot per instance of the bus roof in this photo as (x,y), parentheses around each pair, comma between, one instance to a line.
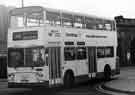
(30,9)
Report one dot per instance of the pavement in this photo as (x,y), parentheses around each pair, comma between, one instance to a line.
(125,82)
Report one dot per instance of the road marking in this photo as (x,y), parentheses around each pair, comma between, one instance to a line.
(100,89)
(74,93)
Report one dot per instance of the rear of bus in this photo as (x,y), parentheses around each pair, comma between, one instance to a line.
(27,55)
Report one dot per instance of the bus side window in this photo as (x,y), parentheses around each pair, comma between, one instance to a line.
(109,52)
(100,52)
(81,53)
(105,52)
(69,53)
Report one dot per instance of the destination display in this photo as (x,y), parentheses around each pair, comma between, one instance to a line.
(25,35)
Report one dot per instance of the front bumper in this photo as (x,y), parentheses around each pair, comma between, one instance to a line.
(29,85)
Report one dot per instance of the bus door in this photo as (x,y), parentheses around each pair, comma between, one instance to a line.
(92,61)
(54,64)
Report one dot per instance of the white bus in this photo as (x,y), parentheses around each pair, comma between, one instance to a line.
(50,47)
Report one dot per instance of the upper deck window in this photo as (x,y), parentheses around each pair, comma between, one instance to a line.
(67,20)
(99,24)
(27,16)
(53,18)
(38,16)
(79,21)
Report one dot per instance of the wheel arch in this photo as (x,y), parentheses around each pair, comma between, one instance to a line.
(68,71)
(68,79)
(107,72)
(107,66)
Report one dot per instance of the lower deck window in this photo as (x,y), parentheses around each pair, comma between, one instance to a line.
(81,53)
(75,53)
(69,53)
(105,52)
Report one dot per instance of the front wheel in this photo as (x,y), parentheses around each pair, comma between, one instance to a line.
(69,80)
(107,73)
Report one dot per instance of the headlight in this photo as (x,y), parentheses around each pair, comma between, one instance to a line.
(11,76)
(39,74)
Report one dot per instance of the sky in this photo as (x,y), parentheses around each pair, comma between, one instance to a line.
(104,8)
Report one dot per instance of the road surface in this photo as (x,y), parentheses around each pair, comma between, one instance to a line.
(93,87)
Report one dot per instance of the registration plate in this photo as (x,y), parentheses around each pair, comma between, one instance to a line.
(24,81)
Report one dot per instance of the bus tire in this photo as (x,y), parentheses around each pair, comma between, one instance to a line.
(107,73)
(69,79)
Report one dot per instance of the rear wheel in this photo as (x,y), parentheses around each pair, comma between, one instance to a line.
(107,73)
(69,80)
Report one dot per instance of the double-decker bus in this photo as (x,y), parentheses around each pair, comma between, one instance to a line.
(50,47)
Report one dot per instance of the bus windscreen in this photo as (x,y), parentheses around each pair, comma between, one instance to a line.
(26,57)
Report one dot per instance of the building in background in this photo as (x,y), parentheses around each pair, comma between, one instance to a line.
(4,23)
(126,40)
(3,30)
